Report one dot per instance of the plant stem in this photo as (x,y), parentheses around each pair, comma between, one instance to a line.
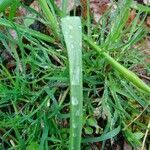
(129,75)
(64,7)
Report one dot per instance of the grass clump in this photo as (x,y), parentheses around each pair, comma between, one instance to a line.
(35,69)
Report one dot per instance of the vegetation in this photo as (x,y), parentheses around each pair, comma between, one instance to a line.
(72,84)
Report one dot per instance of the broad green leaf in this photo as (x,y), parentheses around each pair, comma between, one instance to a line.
(72,31)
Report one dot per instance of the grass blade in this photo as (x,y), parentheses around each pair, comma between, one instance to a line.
(9,24)
(140,7)
(71,27)
(103,137)
(64,7)
(52,20)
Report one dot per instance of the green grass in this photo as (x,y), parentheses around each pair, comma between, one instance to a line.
(35,80)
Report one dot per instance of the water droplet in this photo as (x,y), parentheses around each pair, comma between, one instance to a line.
(77,113)
(32,77)
(48,103)
(70,27)
(122,81)
(45,67)
(66,33)
(72,46)
(74,135)
(70,36)
(42,124)
(74,126)
(80,44)
(74,101)
(67,18)
(76,76)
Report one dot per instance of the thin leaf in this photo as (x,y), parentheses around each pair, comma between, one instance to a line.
(103,137)
(71,27)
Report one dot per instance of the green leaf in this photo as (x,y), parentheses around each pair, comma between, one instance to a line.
(88,130)
(103,137)
(24,30)
(72,31)
(92,122)
(131,138)
(140,7)
(50,17)
(138,135)
(33,146)
(5,3)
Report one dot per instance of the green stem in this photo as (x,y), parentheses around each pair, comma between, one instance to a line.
(64,7)
(129,75)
